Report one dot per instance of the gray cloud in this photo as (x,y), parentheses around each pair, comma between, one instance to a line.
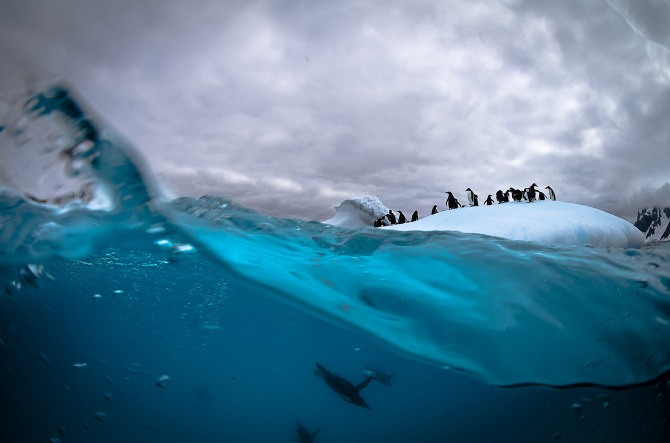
(290,107)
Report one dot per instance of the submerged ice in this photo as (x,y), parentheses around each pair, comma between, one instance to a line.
(507,311)
(510,312)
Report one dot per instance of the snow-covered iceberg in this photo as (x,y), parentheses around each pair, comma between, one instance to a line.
(357,212)
(549,222)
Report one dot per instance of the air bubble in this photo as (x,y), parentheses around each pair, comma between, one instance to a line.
(185,247)
(136,367)
(164,243)
(100,416)
(155,229)
(163,381)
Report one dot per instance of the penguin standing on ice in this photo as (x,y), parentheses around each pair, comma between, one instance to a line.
(552,194)
(415,216)
(517,194)
(532,193)
(391,217)
(471,196)
(502,198)
(401,218)
(537,194)
(488,201)
(452,203)
(434,211)
(475,199)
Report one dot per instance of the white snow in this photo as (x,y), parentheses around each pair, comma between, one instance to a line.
(658,229)
(357,212)
(551,222)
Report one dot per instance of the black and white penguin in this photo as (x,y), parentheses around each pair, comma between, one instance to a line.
(489,200)
(532,193)
(415,216)
(552,194)
(541,196)
(502,198)
(471,196)
(347,390)
(517,194)
(452,203)
(434,211)
(401,218)
(475,198)
(391,217)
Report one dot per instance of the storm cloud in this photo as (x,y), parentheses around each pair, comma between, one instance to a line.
(290,107)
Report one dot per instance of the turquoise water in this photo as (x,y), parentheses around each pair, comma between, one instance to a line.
(129,317)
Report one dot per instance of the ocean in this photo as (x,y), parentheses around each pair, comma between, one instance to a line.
(125,316)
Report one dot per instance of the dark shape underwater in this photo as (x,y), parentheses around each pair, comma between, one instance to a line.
(304,436)
(349,392)
(378,375)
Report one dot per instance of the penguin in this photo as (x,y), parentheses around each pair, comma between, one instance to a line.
(489,200)
(471,196)
(502,198)
(304,436)
(532,193)
(349,392)
(434,211)
(475,199)
(391,217)
(552,194)
(378,375)
(525,194)
(415,216)
(451,202)
(378,223)
(541,196)
(401,218)
(517,194)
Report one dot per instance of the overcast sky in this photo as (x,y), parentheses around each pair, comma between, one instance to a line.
(289,107)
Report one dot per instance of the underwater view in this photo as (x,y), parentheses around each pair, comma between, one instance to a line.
(126,315)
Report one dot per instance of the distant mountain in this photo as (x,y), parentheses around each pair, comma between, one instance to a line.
(654,223)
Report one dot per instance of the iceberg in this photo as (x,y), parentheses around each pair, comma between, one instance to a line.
(549,222)
(357,212)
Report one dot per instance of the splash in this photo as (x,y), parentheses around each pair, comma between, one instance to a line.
(66,179)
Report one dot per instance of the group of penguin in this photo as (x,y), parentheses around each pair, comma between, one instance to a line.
(529,194)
